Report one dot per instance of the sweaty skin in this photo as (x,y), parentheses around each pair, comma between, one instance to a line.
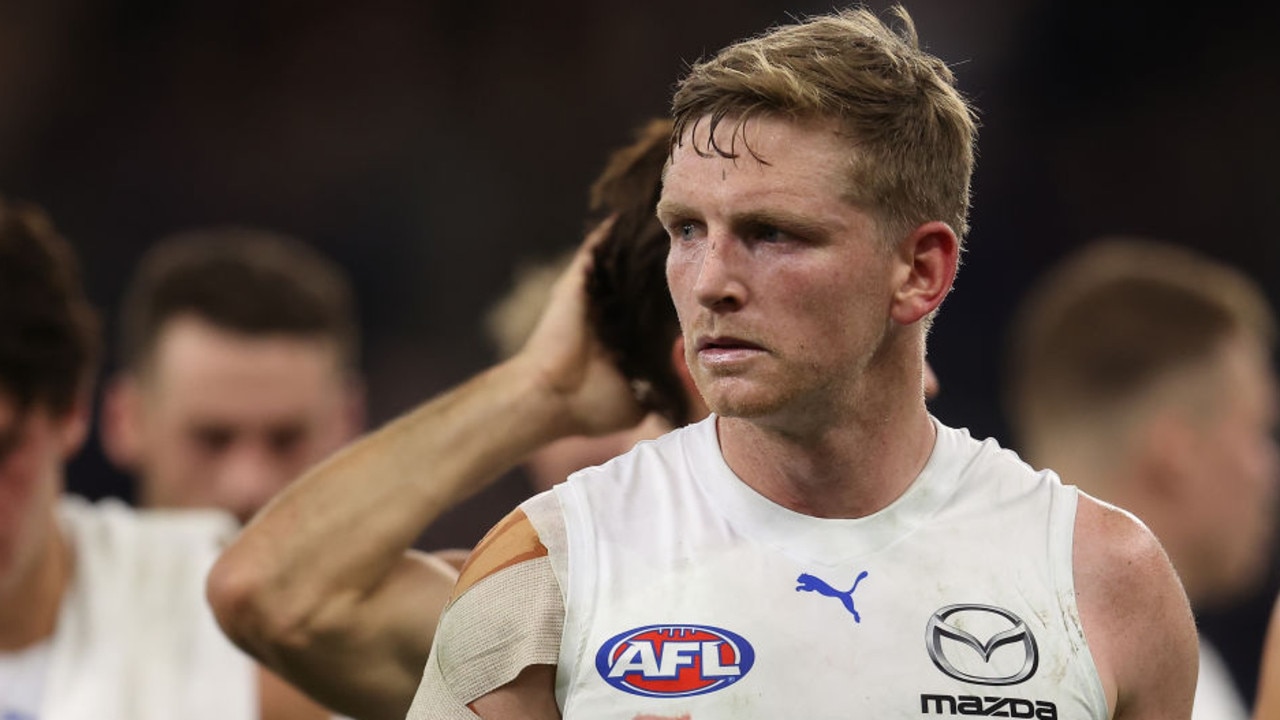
(767,257)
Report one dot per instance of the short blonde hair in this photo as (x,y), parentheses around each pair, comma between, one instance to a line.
(911,133)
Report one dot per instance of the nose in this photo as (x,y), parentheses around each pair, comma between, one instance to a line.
(719,285)
(250,475)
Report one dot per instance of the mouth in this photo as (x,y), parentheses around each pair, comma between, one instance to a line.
(725,343)
(724,350)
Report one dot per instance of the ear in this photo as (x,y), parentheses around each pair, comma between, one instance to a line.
(697,406)
(121,421)
(926,268)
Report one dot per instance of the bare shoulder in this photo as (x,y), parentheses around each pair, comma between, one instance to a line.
(1135,614)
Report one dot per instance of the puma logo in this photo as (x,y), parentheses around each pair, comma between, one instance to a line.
(810,583)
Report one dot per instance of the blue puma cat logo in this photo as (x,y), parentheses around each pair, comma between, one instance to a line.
(810,583)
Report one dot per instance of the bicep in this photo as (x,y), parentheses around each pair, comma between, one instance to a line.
(1136,617)
(499,639)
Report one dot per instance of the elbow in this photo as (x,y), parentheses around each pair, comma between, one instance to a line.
(246,604)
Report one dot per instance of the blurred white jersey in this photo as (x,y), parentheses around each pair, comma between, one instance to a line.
(688,594)
(135,638)
(1216,696)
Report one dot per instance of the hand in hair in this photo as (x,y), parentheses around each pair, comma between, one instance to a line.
(569,359)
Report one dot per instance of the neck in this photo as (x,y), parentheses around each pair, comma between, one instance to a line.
(849,468)
(31,604)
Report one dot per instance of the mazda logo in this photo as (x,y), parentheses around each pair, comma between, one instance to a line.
(974,655)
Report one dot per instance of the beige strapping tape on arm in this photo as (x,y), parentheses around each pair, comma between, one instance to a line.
(501,625)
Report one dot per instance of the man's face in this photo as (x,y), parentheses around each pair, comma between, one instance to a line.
(33,447)
(226,420)
(781,285)
(1237,469)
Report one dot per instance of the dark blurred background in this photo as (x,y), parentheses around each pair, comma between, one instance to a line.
(432,147)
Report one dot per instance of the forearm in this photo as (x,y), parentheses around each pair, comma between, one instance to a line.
(326,546)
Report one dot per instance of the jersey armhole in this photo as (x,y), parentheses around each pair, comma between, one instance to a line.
(1064,507)
(566,530)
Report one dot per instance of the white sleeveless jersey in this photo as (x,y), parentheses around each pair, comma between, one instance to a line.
(690,596)
(135,638)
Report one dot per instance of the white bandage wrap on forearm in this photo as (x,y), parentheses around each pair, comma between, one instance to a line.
(498,627)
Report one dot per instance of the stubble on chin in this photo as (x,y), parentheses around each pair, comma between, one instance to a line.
(740,397)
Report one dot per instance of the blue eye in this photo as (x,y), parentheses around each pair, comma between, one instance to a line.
(683,230)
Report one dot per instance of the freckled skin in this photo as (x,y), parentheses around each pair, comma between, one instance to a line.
(772,255)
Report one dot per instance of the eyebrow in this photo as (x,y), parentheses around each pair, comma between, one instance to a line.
(671,208)
(800,224)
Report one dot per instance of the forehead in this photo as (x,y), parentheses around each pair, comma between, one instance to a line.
(202,367)
(792,162)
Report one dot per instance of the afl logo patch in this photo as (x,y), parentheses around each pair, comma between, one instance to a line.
(674,660)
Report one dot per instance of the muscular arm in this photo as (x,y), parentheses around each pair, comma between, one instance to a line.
(321,586)
(1135,614)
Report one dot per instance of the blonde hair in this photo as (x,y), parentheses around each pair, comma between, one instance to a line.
(911,133)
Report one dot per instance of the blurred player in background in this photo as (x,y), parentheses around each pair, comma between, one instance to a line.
(102,614)
(239,355)
(1142,373)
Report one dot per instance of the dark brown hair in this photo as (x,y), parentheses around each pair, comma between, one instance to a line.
(49,340)
(631,308)
(245,280)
